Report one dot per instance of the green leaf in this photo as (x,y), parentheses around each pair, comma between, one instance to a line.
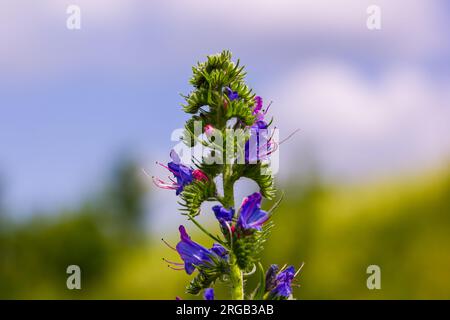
(258,294)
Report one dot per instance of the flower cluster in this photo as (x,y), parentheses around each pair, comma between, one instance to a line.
(219,85)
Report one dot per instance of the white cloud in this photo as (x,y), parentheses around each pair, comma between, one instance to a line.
(123,32)
(411,28)
(398,122)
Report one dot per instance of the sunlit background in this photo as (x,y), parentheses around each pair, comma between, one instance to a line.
(366,179)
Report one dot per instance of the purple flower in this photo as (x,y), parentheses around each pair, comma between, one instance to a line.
(209,294)
(232,95)
(195,255)
(219,250)
(250,215)
(283,283)
(223,214)
(259,146)
(257,109)
(258,104)
(183,175)
(271,277)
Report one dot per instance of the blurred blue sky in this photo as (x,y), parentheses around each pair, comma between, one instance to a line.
(368,103)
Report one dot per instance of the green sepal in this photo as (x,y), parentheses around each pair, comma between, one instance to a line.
(194,194)
(261,174)
(248,244)
(207,275)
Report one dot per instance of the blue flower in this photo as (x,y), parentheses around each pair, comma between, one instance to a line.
(259,146)
(195,255)
(279,284)
(223,214)
(250,215)
(183,175)
(257,108)
(209,294)
(232,95)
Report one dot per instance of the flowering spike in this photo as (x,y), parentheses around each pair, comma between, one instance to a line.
(219,95)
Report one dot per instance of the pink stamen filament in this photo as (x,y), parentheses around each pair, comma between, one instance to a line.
(267,109)
(173,180)
(164,185)
(166,167)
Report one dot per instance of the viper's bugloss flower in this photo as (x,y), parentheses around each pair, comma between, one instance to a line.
(279,284)
(223,214)
(258,104)
(260,145)
(283,281)
(219,250)
(250,214)
(182,173)
(197,256)
(258,110)
(208,294)
(232,95)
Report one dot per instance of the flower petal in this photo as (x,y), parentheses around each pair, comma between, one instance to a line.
(209,294)
(221,213)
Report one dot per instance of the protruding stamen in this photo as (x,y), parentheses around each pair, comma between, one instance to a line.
(146,173)
(167,244)
(174,263)
(268,107)
(299,269)
(163,165)
(164,185)
(289,136)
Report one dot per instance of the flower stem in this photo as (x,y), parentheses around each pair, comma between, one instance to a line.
(198,225)
(236,278)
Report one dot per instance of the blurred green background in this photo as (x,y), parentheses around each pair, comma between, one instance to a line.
(402,225)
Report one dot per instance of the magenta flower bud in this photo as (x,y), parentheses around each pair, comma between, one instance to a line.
(209,130)
(199,175)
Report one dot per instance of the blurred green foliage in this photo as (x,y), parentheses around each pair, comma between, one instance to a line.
(401,225)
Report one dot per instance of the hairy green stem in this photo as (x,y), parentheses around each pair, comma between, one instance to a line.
(236,277)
